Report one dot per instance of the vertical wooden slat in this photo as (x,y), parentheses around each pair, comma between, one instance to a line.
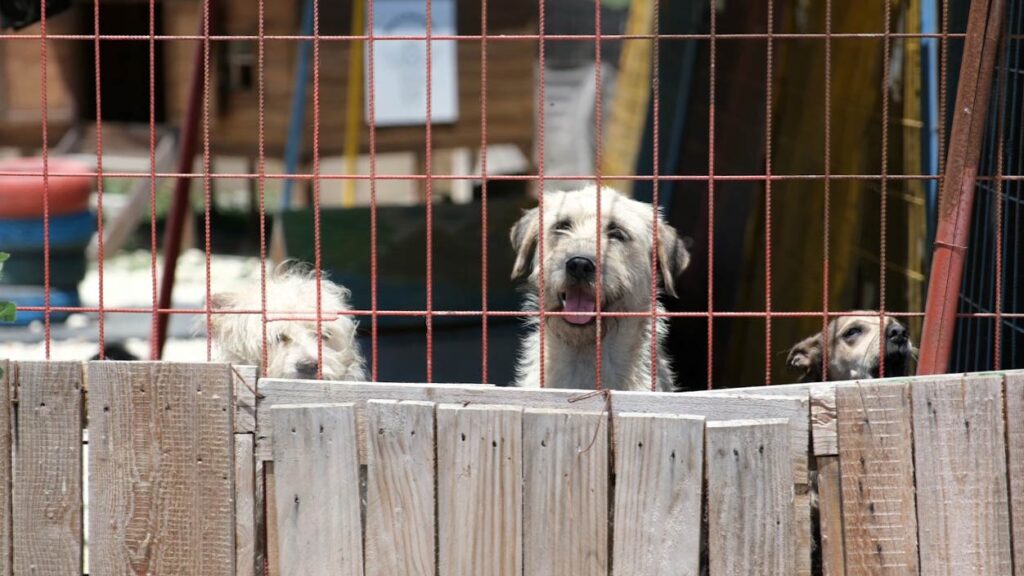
(1015,454)
(659,463)
(565,492)
(245,506)
(161,468)
(750,498)
(830,515)
(244,380)
(316,472)
(400,516)
(5,467)
(877,478)
(270,493)
(480,490)
(47,494)
(960,455)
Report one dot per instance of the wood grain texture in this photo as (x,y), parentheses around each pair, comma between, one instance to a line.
(1014,386)
(161,468)
(750,498)
(270,494)
(712,406)
(877,478)
(823,420)
(565,492)
(245,506)
(830,517)
(47,482)
(5,467)
(659,462)
(244,380)
(960,455)
(480,490)
(400,517)
(316,476)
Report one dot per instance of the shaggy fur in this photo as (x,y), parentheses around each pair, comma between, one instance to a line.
(853,350)
(570,252)
(291,343)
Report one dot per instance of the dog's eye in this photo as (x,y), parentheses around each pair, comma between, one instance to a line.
(563,225)
(852,332)
(282,338)
(616,233)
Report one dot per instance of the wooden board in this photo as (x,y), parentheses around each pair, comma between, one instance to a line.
(245,507)
(960,455)
(244,380)
(823,420)
(5,467)
(270,494)
(877,478)
(47,494)
(659,462)
(565,492)
(712,406)
(750,498)
(1015,462)
(316,476)
(400,493)
(161,468)
(480,490)
(830,517)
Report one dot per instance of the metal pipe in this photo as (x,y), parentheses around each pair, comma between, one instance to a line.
(984,28)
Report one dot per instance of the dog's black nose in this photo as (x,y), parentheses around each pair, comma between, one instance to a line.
(896,333)
(306,369)
(580,268)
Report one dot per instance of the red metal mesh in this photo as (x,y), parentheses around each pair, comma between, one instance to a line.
(161,309)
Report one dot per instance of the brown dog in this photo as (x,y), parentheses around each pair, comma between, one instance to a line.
(853,350)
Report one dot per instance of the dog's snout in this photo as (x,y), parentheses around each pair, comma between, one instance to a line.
(580,268)
(896,333)
(306,369)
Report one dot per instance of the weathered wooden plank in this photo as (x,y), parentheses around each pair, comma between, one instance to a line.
(960,455)
(47,482)
(823,420)
(244,379)
(5,467)
(400,499)
(316,476)
(270,494)
(1015,462)
(877,476)
(750,498)
(565,492)
(830,517)
(480,490)
(245,506)
(161,468)
(659,462)
(712,406)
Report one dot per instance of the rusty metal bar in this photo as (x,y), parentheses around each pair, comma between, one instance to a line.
(984,27)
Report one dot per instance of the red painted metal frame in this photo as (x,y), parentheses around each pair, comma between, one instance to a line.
(958,166)
(984,29)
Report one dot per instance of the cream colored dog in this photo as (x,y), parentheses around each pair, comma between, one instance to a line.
(853,349)
(292,348)
(570,286)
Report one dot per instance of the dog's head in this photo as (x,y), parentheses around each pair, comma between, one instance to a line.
(570,251)
(292,347)
(854,349)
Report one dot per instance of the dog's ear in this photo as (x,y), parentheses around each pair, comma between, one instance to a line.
(805,358)
(524,238)
(673,257)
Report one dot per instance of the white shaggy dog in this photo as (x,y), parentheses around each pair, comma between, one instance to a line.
(292,349)
(570,252)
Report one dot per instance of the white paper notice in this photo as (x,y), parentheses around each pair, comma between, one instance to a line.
(400,66)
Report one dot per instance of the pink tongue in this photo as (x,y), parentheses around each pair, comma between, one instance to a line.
(578,301)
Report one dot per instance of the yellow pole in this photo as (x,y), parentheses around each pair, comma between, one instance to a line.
(353,106)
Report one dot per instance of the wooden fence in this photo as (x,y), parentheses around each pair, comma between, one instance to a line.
(199,469)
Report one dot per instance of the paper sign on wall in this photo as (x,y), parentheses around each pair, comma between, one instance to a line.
(400,66)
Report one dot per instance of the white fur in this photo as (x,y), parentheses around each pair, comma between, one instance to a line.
(291,341)
(570,226)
